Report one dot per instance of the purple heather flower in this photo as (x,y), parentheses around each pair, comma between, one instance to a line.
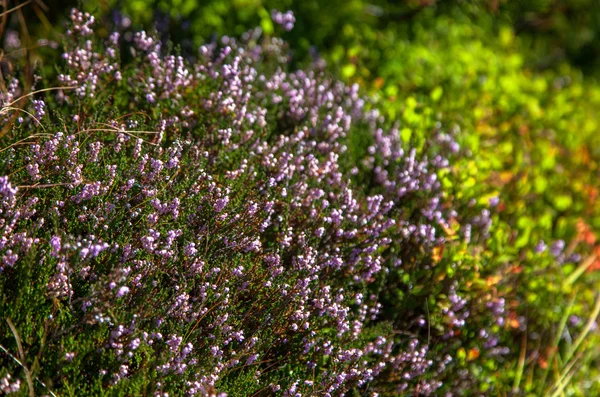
(124,290)
(221,203)
(38,106)
(557,247)
(251,359)
(9,387)
(285,20)
(574,320)
(6,189)
(55,243)
(540,247)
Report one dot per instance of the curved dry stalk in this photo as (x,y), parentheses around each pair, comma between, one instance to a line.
(38,91)
(5,350)
(565,376)
(38,135)
(134,113)
(128,133)
(586,329)
(22,356)
(569,368)
(7,108)
(561,327)
(121,130)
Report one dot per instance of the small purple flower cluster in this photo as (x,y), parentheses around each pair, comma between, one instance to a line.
(285,19)
(86,67)
(7,386)
(14,243)
(169,75)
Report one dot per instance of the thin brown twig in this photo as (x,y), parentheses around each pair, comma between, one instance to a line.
(42,5)
(43,185)
(16,51)
(118,130)
(15,8)
(38,8)
(4,19)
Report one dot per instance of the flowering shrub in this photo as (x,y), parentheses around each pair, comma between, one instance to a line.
(218,232)
(230,226)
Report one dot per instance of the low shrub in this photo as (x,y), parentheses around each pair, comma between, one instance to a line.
(230,225)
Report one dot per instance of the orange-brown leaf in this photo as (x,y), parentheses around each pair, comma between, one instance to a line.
(473,354)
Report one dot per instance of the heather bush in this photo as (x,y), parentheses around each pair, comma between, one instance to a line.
(193,228)
(227,224)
